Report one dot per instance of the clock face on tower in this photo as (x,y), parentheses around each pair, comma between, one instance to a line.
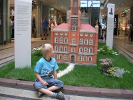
(74,22)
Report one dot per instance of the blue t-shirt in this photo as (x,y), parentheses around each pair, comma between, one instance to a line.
(45,68)
(45,24)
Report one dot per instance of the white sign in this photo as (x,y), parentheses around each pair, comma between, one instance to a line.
(110,25)
(23,33)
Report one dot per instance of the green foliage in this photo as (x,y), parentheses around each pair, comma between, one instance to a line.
(106,50)
(37,51)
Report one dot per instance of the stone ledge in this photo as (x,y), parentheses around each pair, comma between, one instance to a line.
(25,84)
(10,82)
(73,89)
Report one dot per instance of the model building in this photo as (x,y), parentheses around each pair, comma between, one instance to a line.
(74,42)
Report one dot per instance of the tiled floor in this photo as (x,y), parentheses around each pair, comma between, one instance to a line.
(11,93)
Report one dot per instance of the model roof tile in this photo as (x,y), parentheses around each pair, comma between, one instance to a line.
(83,28)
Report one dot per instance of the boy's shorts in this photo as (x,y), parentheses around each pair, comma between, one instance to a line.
(50,81)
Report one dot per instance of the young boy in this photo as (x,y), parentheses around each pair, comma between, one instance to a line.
(45,72)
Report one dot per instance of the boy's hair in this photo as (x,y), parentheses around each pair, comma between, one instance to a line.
(46,48)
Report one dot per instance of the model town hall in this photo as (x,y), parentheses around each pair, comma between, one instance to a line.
(74,42)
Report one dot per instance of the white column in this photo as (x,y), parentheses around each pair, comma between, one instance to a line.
(110,25)
(23,33)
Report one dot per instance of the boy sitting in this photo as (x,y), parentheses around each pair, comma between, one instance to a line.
(45,71)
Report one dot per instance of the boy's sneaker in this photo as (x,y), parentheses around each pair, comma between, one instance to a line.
(60,96)
(40,94)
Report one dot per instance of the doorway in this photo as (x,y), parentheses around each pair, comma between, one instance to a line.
(72,58)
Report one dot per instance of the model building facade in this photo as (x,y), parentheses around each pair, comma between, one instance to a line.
(74,42)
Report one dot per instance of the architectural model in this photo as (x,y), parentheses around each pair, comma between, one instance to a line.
(74,42)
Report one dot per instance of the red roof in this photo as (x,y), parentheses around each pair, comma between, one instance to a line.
(62,26)
(84,27)
(87,27)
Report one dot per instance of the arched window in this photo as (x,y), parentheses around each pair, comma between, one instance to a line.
(86,41)
(65,57)
(61,40)
(65,48)
(91,41)
(56,56)
(73,41)
(65,40)
(56,48)
(60,57)
(80,58)
(61,48)
(90,59)
(90,50)
(85,58)
(85,50)
(81,41)
(56,40)
(72,49)
(80,50)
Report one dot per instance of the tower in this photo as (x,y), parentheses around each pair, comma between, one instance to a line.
(74,29)
(75,15)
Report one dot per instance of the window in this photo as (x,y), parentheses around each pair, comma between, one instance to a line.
(75,3)
(61,33)
(56,33)
(80,50)
(81,34)
(85,50)
(65,49)
(65,57)
(66,34)
(60,57)
(80,58)
(90,50)
(73,41)
(91,42)
(73,28)
(56,40)
(86,41)
(91,35)
(56,48)
(61,40)
(81,41)
(56,56)
(90,59)
(85,58)
(72,49)
(65,40)
(61,48)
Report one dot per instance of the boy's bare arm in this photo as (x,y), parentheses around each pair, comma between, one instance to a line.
(55,74)
(40,79)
